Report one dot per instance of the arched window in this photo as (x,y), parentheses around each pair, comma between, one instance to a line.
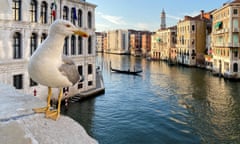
(53,11)
(16,7)
(43,37)
(235,67)
(44,12)
(89,45)
(73,45)
(33,43)
(79,45)
(65,47)
(33,11)
(17,49)
(65,12)
(80,18)
(73,15)
(89,20)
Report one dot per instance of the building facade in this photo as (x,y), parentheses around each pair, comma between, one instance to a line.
(136,43)
(225,40)
(117,42)
(140,42)
(191,40)
(24,25)
(100,41)
(163,43)
(146,44)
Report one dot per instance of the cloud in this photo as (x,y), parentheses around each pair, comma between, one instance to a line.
(174,17)
(113,19)
(194,13)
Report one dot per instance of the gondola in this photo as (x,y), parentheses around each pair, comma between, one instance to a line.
(126,71)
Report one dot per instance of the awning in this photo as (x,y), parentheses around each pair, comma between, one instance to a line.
(158,39)
(218,25)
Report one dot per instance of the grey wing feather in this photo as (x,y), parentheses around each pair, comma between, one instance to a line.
(69,69)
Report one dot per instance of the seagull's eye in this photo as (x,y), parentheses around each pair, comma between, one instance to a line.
(68,25)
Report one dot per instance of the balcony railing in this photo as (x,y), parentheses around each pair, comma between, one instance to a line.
(221,44)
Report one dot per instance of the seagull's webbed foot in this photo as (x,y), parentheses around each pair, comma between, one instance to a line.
(54,114)
(41,110)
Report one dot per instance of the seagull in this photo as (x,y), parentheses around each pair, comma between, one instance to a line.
(49,67)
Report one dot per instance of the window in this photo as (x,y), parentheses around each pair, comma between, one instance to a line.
(90,83)
(80,70)
(17,50)
(18,81)
(43,37)
(80,85)
(65,47)
(235,67)
(90,69)
(44,13)
(16,7)
(193,27)
(182,40)
(235,53)
(235,11)
(53,11)
(235,39)
(89,20)
(73,45)
(33,11)
(32,82)
(89,45)
(79,45)
(235,24)
(65,12)
(80,18)
(73,15)
(33,43)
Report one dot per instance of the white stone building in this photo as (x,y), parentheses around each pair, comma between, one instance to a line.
(117,42)
(24,24)
(100,41)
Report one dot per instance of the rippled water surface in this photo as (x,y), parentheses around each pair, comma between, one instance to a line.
(165,104)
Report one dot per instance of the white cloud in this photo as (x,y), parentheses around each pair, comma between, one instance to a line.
(194,13)
(113,19)
(174,17)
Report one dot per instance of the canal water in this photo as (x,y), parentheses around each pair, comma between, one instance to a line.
(164,105)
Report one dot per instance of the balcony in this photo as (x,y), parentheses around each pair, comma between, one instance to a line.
(232,45)
(219,44)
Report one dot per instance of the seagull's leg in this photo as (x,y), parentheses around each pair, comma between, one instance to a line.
(56,113)
(47,108)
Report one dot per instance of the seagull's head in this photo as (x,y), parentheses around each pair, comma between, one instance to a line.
(65,28)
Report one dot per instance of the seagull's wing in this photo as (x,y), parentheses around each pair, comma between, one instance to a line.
(68,69)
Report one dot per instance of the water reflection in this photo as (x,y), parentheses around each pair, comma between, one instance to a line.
(166,104)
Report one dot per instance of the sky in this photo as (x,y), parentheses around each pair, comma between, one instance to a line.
(145,15)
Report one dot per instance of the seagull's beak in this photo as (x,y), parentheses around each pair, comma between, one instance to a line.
(80,33)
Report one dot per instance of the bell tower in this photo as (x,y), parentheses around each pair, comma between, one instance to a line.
(163,20)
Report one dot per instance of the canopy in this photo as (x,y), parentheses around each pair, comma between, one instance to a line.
(218,25)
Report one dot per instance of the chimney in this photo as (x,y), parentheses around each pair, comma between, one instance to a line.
(202,14)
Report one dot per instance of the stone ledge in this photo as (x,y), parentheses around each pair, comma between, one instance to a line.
(19,124)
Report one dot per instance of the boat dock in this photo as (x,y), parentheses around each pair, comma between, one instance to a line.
(100,89)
